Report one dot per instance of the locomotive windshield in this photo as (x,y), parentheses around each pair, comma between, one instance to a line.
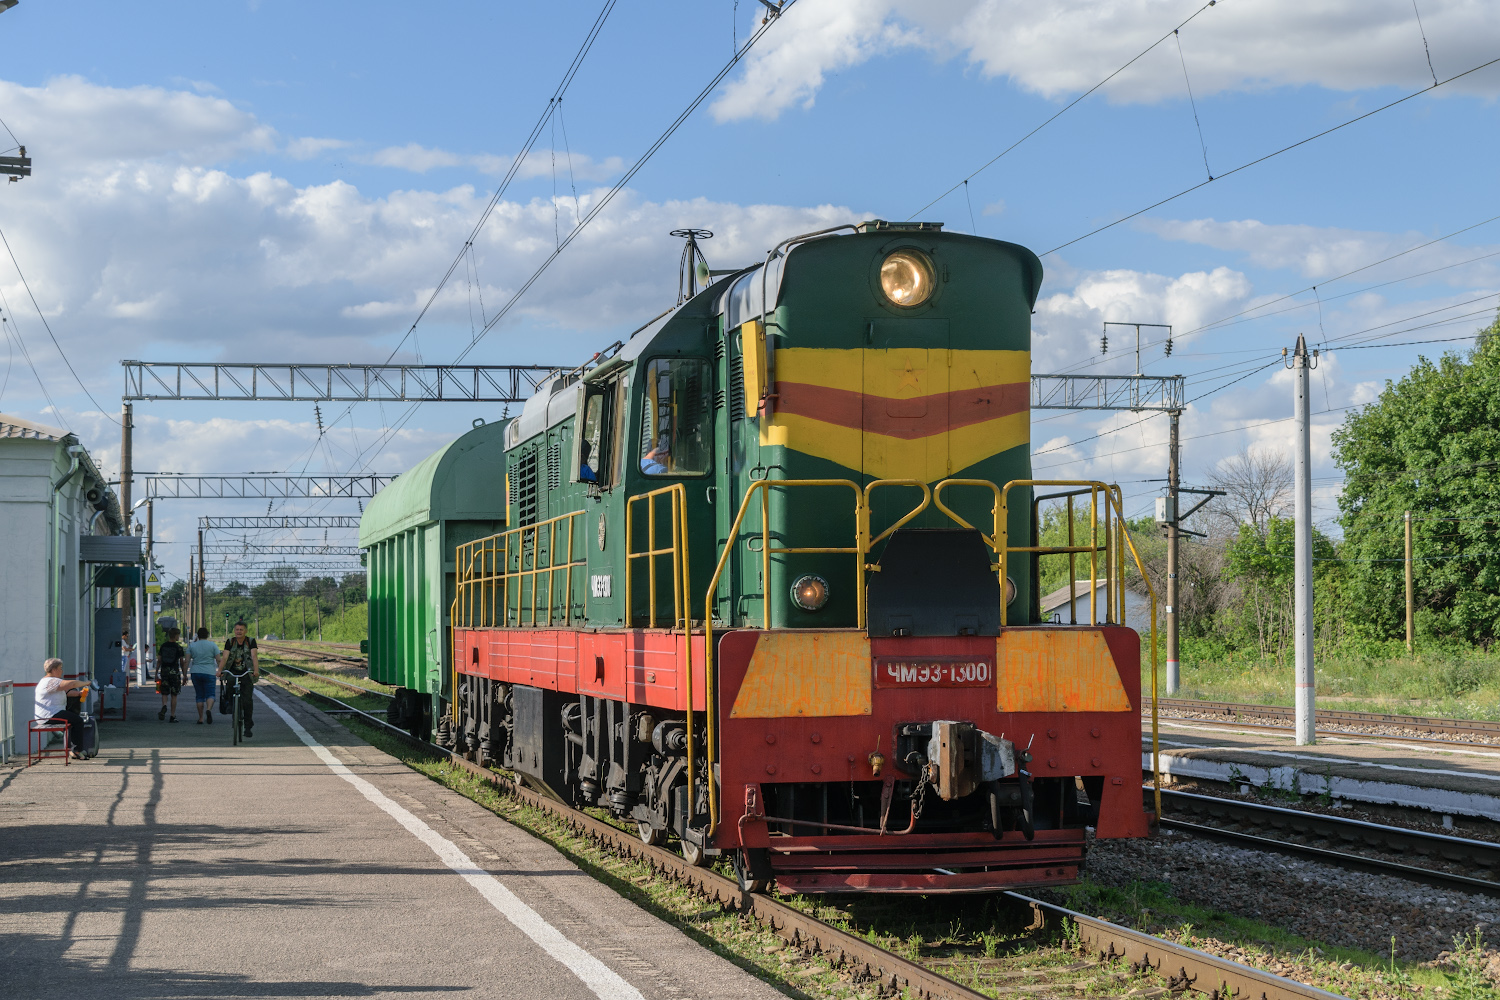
(675,421)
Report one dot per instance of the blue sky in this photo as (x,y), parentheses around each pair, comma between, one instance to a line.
(278,181)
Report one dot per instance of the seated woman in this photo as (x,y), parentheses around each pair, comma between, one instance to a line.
(52,699)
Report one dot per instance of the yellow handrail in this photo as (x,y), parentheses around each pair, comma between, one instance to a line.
(652,552)
(861,549)
(482,589)
(1112,499)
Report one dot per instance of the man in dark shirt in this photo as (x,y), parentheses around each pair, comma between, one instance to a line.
(240,658)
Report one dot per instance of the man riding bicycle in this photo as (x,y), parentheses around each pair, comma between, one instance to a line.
(240,657)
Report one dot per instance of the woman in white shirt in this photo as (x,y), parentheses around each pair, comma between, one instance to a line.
(52,698)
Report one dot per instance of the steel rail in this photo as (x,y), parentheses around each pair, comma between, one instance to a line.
(1454,727)
(1196,970)
(1338,829)
(1340,859)
(1343,734)
(311,653)
(333,680)
(842,949)
(1462,850)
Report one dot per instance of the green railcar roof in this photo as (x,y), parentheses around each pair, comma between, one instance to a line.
(464,480)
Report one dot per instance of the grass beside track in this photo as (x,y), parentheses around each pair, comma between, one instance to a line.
(971,939)
(1450,684)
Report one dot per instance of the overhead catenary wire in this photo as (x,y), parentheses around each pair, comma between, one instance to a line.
(48,327)
(596,209)
(1270,156)
(20,342)
(1065,109)
(1193,103)
(515,164)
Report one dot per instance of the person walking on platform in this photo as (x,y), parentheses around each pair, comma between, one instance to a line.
(169,667)
(203,655)
(52,699)
(240,657)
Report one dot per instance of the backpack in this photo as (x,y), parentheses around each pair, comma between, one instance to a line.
(169,656)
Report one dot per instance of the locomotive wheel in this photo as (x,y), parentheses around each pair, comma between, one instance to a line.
(649,834)
(693,854)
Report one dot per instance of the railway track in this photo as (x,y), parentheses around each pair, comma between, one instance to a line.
(1130,950)
(328,679)
(1287,716)
(302,652)
(1281,822)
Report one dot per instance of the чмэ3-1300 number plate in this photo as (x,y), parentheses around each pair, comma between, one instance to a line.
(929,671)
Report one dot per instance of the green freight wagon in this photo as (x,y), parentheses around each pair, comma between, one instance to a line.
(410,531)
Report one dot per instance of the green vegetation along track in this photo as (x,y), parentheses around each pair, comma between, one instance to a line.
(1234,712)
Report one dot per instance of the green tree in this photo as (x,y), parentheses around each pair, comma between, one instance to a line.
(1263,560)
(1430,445)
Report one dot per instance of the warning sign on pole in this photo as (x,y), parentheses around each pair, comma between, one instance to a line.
(153,583)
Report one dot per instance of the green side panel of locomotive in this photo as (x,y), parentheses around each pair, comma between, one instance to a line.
(410,530)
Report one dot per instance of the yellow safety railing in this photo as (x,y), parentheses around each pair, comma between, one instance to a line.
(682,595)
(676,550)
(1112,500)
(1116,538)
(1112,546)
(861,549)
(493,573)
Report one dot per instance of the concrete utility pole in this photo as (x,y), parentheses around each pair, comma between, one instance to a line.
(1302,363)
(1410,600)
(1174,672)
(138,624)
(202,597)
(123,594)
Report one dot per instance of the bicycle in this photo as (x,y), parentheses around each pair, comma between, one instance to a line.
(236,684)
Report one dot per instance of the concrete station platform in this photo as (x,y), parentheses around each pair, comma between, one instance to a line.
(303,863)
(1442,777)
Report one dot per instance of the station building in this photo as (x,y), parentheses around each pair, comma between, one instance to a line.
(63,552)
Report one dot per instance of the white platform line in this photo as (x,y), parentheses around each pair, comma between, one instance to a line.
(597,976)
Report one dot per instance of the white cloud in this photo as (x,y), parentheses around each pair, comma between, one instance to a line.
(1070,324)
(1067,46)
(308,148)
(144,244)
(70,122)
(420,159)
(1318,252)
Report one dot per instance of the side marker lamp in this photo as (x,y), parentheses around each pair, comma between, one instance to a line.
(1010,590)
(810,592)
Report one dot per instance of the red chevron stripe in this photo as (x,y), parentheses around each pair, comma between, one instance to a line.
(919,417)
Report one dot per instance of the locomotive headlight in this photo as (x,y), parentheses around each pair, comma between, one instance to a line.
(906,277)
(810,592)
(1010,590)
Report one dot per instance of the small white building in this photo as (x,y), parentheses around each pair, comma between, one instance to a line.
(55,588)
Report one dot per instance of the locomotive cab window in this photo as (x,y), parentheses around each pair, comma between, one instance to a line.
(597,448)
(676,418)
(593,439)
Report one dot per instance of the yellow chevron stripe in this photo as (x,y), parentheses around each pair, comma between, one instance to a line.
(928,459)
(899,373)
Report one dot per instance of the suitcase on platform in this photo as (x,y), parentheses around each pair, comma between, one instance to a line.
(85,738)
